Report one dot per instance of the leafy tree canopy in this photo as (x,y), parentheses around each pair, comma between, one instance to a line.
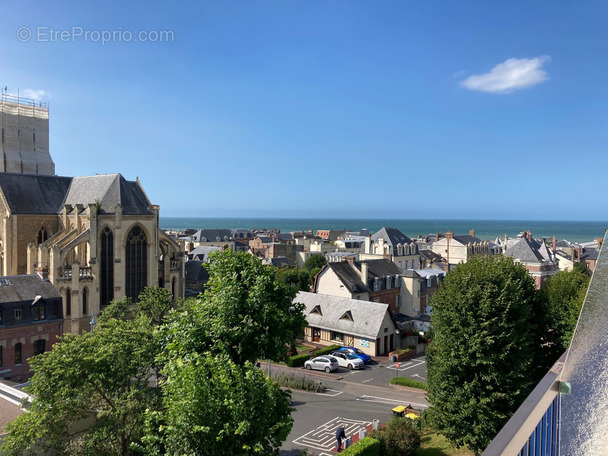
(563,295)
(179,382)
(478,361)
(245,313)
(216,407)
(315,262)
(301,279)
(107,371)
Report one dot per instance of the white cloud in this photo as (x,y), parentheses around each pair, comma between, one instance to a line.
(509,76)
(36,95)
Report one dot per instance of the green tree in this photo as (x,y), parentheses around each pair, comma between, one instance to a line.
(245,313)
(315,262)
(107,371)
(294,277)
(483,348)
(215,407)
(563,295)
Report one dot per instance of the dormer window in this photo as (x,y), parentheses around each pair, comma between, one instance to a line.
(397,281)
(39,311)
(389,283)
(347,316)
(316,310)
(377,285)
(399,249)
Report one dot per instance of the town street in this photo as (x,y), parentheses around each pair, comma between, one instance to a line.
(352,401)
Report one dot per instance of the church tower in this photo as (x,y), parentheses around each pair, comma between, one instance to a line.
(24,125)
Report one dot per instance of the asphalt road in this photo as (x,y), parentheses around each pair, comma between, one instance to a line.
(352,398)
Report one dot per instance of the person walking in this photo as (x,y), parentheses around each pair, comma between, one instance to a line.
(340,434)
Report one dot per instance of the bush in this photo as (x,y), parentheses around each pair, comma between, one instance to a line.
(297,360)
(399,438)
(296,381)
(326,350)
(404,381)
(364,447)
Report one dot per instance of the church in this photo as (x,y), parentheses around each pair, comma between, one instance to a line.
(95,238)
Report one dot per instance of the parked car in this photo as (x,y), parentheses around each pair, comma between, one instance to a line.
(358,353)
(348,360)
(326,363)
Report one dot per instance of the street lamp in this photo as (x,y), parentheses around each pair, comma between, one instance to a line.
(93,322)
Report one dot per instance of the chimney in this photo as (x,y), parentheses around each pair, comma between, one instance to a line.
(449,235)
(364,272)
(472,233)
(577,252)
(530,238)
(351,260)
(554,245)
(368,244)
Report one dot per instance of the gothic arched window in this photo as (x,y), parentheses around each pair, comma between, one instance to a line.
(85,304)
(107,267)
(43,235)
(136,263)
(68,302)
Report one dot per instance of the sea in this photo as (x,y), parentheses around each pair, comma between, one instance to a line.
(574,231)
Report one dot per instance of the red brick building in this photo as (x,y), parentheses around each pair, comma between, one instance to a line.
(31,320)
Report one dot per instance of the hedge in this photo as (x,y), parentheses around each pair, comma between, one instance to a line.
(326,350)
(404,381)
(365,447)
(296,360)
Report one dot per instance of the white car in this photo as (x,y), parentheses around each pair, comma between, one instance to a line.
(326,363)
(348,360)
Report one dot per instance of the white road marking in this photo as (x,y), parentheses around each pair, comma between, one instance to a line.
(333,394)
(324,436)
(368,380)
(384,400)
(409,366)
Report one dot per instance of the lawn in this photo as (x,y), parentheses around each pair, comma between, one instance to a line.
(302,348)
(433,444)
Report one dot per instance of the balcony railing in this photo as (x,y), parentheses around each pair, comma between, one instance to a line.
(84,274)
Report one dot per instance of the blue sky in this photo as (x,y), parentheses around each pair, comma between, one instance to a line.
(353,108)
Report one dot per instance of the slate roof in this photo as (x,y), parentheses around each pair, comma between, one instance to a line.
(590,254)
(109,190)
(212,235)
(367,316)
(279,262)
(202,252)
(196,272)
(467,238)
(351,276)
(26,287)
(34,194)
(393,237)
(39,194)
(380,268)
(430,272)
(528,251)
(284,236)
(563,244)
(430,255)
